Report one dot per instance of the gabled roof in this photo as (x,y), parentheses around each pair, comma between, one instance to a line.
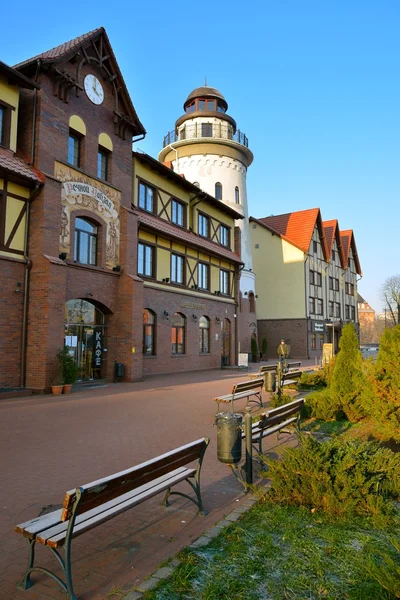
(17,78)
(332,233)
(348,241)
(298,228)
(67,50)
(184,236)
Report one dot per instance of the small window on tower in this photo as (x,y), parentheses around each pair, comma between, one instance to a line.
(237,197)
(218,191)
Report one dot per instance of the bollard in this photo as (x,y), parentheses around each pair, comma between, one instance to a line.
(249,447)
(279,378)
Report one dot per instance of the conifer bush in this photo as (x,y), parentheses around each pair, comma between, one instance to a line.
(385,404)
(337,477)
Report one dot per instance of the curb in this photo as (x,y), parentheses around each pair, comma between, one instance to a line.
(203,540)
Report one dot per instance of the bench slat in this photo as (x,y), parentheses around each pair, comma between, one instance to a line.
(248,385)
(55,536)
(30,528)
(102,490)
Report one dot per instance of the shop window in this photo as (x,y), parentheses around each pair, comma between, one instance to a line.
(5,126)
(102,164)
(313,341)
(85,248)
(224,282)
(203,272)
(203,225)
(237,197)
(178,213)
(218,191)
(177,269)
(224,235)
(74,149)
(204,335)
(149,322)
(252,303)
(146,197)
(145,260)
(178,334)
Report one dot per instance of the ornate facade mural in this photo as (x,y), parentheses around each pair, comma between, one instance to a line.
(82,192)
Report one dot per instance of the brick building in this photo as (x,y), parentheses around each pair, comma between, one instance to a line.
(307,281)
(71,277)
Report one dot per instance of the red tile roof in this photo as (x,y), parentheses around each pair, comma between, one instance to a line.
(184,236)
(332,233)
(298,228)
(60,51)
(12,164)
(348,241)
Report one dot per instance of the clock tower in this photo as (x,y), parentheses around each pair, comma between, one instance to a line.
(210,151)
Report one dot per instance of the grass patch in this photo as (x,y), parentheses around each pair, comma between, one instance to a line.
(279,552)
(327,427)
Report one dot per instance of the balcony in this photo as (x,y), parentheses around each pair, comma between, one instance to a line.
(196,131)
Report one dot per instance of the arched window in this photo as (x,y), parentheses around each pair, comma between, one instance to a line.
(85,248)
(178,334)
(252,302)
(218,191)
(149,322)
(204,335)
(237,197)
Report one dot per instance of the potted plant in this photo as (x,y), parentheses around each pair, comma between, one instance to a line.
(68,368)
(254,349)
(57,386)
(264,347)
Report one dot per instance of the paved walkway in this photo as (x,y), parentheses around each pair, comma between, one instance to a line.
(51,444)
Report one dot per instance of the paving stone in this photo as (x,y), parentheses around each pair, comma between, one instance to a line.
(164,572)
(133,596)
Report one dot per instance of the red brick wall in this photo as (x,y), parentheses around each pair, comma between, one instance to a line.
(164,361)
(11,307)
(293,331)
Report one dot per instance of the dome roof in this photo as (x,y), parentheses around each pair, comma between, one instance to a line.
(206,92)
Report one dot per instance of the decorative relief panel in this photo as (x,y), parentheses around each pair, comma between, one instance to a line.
(82,192)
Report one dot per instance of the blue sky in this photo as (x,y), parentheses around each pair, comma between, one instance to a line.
(314,85)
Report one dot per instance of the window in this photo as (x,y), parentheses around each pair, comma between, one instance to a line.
(218,191)
(102,164)
(210,104)
(349,288)
(146,197)
(149,321)
(337,310)
(315,278)
(316,306)
(320,307)
(224,282)
(334,283)
(177,269)
(203,226)
(206,129)
(145,260)
(311,305)
(237,197)
(178,213)
(333,255)
(5,126)
(182,133)
(315,247)
(178,334)
(74,149)
(85,249)
(204,335)
(224,235)
(330,308)
(349,263)
(252,303)
(202,276)
(313,341)
(350,312)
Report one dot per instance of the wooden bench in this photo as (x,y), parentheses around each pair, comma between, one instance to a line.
(293,365)
(275,420)
(244,389)
(291,377)
(94,503)
(262,370)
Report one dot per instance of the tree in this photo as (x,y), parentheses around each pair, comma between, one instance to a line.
(390,294)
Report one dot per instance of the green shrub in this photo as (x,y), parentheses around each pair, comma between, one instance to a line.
(280,400)
(323,406)
(309,381)
(67,366)
(385,405)
(337,477)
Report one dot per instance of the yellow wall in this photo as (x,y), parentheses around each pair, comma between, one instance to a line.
(279,268)
(10,94)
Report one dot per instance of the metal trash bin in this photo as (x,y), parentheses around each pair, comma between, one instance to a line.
(270,381)
(229,437)
(119,370)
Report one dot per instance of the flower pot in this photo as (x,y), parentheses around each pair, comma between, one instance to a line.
(57,390)
(67,388)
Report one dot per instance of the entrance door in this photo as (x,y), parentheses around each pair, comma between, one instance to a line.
(85,337)
(226,343)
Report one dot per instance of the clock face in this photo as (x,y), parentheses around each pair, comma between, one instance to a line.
(94,89)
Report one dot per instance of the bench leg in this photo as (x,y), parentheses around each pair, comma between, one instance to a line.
(26,582)
(167,495)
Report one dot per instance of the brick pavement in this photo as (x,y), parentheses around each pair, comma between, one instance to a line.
(51,444)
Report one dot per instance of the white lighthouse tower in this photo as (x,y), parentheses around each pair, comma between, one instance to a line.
(208,149)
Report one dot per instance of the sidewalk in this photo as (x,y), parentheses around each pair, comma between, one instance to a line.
(51,444)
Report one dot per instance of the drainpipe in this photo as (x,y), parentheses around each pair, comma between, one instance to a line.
(176,157)
(26,287)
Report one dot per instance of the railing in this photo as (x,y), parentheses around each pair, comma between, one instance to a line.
(221,131)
